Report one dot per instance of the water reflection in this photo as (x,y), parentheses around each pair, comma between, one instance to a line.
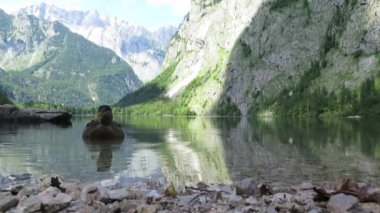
(105,149)
(286,152)
(187,150)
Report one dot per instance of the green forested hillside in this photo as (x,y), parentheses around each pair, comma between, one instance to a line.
(45,62)
(281,57)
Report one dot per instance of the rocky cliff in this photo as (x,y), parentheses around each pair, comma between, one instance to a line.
(142,49)
(44,61)
(258,55)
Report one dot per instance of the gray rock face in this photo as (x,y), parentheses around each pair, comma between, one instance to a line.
(249,51)
(142,49)
(341,202)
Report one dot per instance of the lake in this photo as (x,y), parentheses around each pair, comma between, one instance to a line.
(187,150)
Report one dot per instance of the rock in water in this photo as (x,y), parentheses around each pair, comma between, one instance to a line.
(11,113)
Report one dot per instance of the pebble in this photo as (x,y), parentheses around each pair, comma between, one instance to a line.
(108,196)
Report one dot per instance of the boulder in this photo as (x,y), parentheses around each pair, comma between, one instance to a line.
(8,203)
(11,113)
(53,200)
(118,194)
(247,188)
(94,192)
(128,206)
(30,204)
(341,202)
(149,209)
(57,203)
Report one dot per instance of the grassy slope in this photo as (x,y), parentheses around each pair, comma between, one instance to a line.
(72,62)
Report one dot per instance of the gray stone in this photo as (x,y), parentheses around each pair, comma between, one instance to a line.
(4,195)
(341,202)
(53,200)
(94,192)
(186,200)
(281,197)
(45,180)
(72,189)
(304,198)
(247,187)
(114,207)
(118,194)
(28,192)
(127,206)
(306,186)
(111,184)
(57,203)
(271,209)
(251,201)
(49,193)
(8,203)
(12,113)
(30,204)
(149,209)
(367,208)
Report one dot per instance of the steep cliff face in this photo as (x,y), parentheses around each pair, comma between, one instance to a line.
(252,53)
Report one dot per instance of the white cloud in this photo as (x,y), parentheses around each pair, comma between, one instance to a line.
(179,7)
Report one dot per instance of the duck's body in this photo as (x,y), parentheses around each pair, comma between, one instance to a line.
(103,128)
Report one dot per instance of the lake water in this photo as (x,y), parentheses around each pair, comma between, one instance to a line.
(188,150)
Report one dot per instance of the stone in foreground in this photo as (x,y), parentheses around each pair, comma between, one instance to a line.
(341,202)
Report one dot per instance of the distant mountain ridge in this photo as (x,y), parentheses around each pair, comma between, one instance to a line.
(44,61)
(142,49)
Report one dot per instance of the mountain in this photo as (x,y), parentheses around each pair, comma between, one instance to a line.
(293,57)
(142,49)
(45,62)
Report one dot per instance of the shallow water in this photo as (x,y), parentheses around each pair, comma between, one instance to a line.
(188,150)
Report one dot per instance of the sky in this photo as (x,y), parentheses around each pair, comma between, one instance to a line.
(151,14)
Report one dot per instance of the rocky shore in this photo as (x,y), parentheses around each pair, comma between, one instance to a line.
(10,113)
(53,193)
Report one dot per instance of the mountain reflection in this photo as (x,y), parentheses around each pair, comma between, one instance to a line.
(285,152)
(188,150)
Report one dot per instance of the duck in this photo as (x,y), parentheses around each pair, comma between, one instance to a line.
(103,127)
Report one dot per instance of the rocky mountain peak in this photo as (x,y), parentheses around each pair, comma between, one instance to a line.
(142,49)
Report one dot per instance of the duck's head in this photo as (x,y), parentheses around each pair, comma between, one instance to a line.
(105,114)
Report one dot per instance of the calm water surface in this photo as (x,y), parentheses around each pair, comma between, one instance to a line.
(189,150)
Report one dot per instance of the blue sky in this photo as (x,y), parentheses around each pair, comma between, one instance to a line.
(148,13)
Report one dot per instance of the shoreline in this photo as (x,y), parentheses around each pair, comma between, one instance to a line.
(52,193)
